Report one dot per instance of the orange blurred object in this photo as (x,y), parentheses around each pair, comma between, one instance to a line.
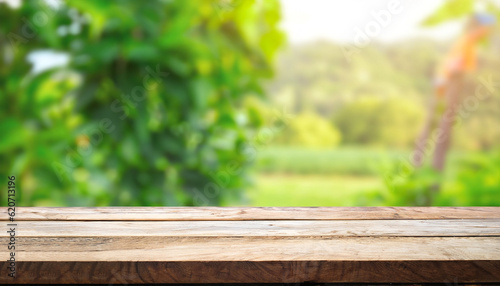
(461,58)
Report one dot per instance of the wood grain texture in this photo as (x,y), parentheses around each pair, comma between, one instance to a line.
(269,228)
(257,249)
(251,213)
(255,245)
(443,272)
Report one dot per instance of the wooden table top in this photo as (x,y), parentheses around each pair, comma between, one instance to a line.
(254,245)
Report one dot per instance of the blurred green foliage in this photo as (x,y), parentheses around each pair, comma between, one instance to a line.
(372,98)
(375,121)
(376,96)
(473,180)
(309,130)
(360,176)
(407,186)
(450,10)
(477,183)
(322,77)
(161,103)
(148,110)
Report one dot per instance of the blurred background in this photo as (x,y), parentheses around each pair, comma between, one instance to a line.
(242,103)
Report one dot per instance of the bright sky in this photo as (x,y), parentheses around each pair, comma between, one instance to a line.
(338,20)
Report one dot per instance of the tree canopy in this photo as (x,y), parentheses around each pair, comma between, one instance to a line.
(147,109)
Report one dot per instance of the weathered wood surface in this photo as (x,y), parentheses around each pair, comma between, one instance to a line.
(279,228)
(252,213)
(255,245)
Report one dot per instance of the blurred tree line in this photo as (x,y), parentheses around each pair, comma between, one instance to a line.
(147,110)
(377,97)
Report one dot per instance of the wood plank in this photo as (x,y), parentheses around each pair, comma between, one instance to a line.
(446,273)
(251,213)
(270,228)
(144,248)
(255,245)
(256,260)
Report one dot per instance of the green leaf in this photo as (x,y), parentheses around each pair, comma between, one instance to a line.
(451,10)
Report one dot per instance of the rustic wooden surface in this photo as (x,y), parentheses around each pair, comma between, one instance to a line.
(255,245)
(264,213)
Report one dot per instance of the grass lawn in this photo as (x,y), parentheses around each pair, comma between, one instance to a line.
(345,176)
(313,190)
(345,160)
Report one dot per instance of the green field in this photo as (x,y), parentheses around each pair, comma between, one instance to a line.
(345,160)
(313,190)
(347,176)
(288,176)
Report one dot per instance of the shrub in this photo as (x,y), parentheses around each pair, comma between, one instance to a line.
(147,110)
